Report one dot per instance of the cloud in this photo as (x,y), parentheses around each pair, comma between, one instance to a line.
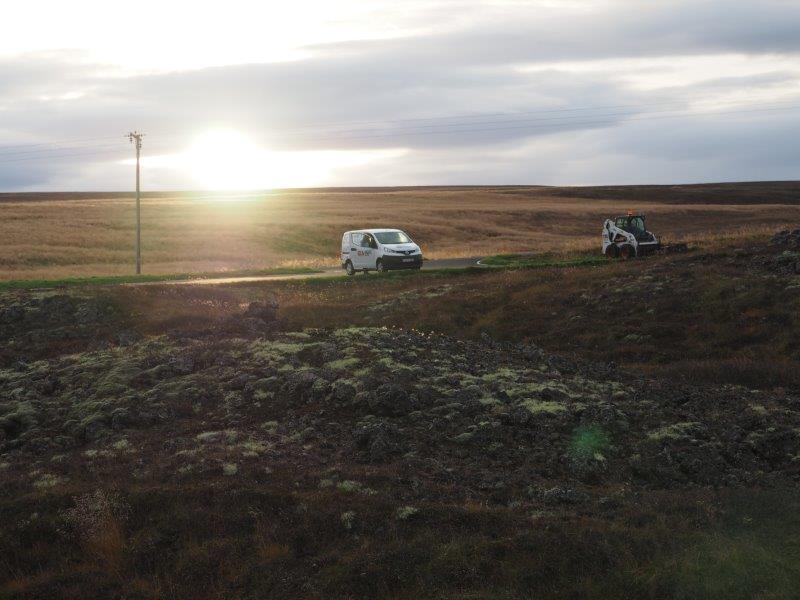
(617,29)
(491,93)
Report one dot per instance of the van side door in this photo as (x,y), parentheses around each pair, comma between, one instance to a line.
(369,245)
(356,251)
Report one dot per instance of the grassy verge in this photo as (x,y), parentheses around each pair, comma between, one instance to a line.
(498,262)
(28,284)
(537,261)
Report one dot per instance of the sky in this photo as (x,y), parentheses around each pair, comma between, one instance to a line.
(254,95)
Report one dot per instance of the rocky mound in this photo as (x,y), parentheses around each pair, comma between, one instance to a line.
(34,325)
(788,238)
(417,415)
(785,258)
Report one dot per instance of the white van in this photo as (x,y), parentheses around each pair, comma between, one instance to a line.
(379,250)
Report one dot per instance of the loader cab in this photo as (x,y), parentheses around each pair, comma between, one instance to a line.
(632,224)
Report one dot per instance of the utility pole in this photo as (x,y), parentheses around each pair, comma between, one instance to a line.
(136,138)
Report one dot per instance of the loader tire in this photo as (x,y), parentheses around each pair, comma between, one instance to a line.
(612,251)
(627,251)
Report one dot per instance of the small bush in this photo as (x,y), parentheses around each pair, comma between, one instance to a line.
(47,480)
(589,443)
(348,519)
(404,513)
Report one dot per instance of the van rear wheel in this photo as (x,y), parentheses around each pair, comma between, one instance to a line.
(348,267)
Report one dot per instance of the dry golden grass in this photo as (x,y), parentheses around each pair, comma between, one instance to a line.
(72,235)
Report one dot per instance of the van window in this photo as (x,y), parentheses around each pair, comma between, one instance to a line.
(362,240)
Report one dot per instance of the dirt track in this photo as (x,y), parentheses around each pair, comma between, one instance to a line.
(445,263)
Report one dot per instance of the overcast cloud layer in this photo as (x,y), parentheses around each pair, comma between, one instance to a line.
(406,93)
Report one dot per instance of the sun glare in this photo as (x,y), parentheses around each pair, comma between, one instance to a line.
(227,160)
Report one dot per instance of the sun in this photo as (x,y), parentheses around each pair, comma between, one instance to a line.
(224,159)
(227,160)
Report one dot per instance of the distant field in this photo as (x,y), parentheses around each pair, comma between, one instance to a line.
(47,236)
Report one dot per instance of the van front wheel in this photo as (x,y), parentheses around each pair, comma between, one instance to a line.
(380,267)
(348,267)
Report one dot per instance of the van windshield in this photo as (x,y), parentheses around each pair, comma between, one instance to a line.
(392,237)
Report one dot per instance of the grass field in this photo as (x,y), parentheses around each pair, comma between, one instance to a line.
(52,236)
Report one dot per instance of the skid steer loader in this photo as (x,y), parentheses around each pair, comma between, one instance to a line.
(626,237)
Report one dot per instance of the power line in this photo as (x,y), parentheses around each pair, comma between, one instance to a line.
(56,146)
(570,123)
(61,149)
(677,101)
(441,129)
(90,152)
(509,113)
(58,143)
(570,118)
(399,132)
